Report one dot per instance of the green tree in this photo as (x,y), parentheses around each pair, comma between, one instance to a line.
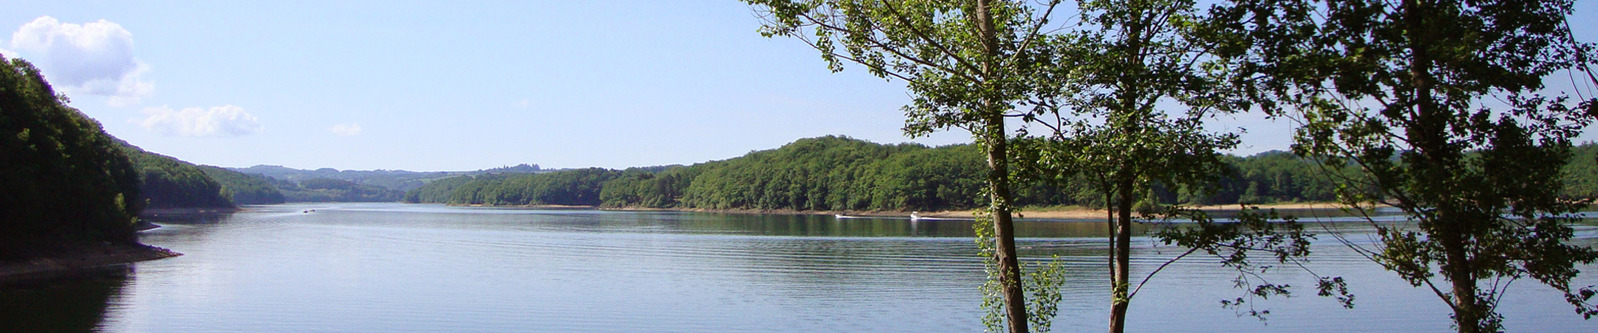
(244,189)
(1115,79)
(1440,106)
(63,180)
(166,182)
(967,65)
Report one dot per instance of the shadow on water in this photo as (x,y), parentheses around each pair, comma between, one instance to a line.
(71,302)
(187,217)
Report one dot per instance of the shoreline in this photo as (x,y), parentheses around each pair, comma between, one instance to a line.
(210,210)
(80,259)
(1046,213)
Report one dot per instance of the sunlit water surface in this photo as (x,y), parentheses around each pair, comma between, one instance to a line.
(430,268)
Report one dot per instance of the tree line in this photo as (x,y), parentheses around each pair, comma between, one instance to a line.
(834,173)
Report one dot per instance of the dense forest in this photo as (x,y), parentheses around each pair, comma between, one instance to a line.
(167,182)
(334,190)
(66,182)
(840,173)
(570,187)
(1581,175)
(244,189)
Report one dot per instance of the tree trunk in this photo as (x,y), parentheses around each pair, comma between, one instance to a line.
(1120,256)
(1004,232)
(1427,135)
(993,133)
(1467,316)
(1003,226)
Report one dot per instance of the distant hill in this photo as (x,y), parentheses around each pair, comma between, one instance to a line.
(398,180)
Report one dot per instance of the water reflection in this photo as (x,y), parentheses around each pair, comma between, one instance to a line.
(392,267)
(68,302)
(183,216)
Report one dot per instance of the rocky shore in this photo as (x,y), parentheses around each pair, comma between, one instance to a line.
(80,258)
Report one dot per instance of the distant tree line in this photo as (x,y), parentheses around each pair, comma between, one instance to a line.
(392,179)
(334,190)
(243,188)
(840,173)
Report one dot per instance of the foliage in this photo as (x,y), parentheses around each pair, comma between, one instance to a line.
(1440,105)
(244,189)
(392,179)
(64,180)
(437,190)
(1128,97)
(334,190)
(1275,176)
(966,65)
(827,173)
(1581,175)
(643,187)
(167,182)
(1042,290)
(910,178)
(579,187)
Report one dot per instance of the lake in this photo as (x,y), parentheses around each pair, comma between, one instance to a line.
(428,268)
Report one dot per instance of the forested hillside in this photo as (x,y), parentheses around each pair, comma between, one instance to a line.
(244,189)
(839,173)
(64,182)
(334,190)
(571,187)
(167,182)
(1581,175)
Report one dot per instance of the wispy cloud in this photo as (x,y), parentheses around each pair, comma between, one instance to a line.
(351,129)
(94,58)
(226,120)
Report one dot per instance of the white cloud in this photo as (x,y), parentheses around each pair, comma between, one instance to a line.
(345,130)
(94,58)
(226,120)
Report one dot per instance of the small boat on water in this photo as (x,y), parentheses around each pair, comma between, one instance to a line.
(915,216)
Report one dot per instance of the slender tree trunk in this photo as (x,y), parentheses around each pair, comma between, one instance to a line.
(1130,90)
(993,133)
(1426,133)
(1120,256)
(1004,229)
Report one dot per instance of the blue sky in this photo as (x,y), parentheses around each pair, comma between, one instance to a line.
(460,85)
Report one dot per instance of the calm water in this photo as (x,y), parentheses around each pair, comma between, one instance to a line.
(428,268)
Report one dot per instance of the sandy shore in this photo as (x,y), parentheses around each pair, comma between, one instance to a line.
(80,258)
